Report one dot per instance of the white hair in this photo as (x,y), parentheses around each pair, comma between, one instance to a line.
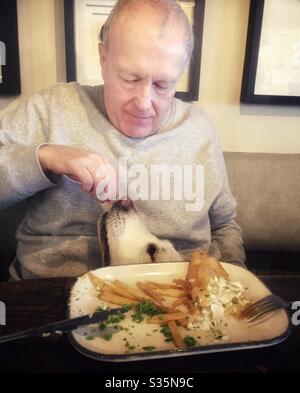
(168,9)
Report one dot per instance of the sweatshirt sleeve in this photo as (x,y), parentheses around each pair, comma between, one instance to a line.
(226,235)
(21,134)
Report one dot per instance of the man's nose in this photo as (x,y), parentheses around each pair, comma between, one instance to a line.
(143,98)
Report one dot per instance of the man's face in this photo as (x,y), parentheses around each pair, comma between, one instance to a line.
(140,72)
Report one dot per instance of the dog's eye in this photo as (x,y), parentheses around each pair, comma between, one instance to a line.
(152,250)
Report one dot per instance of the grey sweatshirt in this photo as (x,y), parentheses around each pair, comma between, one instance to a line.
(58,235)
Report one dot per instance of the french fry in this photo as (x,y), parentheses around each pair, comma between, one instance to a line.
(191,307)
(115,299)
(178,341)
(159,305)
(97,282)
(170,292)
(179,302)
(121,292)
(182,284)
(179,281)
(106,288)
(164,318)
(172,310)
(150,292)
(155,285)
(134,292)
(183,322)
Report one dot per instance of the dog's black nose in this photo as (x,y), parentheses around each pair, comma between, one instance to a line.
(118,206)
(152,250)
(122,205)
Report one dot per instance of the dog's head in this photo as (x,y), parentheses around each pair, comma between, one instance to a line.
(124,239)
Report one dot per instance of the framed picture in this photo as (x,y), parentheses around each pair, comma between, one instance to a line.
(9,49)
(272,60)
(83,22)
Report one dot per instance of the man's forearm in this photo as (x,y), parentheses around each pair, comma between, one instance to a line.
(20,174)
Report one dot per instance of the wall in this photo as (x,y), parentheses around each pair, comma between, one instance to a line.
(41,45)
(241,127)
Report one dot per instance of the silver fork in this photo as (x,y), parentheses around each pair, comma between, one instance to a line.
(263,307)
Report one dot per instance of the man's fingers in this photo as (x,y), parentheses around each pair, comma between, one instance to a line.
(109,187)
(93,174)
(100,179)
(86,179)
(106,189)
(106,183)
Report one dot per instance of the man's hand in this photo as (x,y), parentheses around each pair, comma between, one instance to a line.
(91,170)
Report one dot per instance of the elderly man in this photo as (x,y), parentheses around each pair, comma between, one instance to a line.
(71,132)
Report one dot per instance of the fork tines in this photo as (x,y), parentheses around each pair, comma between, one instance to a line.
(263,307)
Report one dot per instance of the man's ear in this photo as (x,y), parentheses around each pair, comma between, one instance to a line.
(102,53)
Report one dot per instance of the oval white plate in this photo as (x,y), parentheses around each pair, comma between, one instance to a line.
(83,300)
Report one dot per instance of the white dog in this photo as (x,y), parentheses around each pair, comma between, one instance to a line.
(124,239)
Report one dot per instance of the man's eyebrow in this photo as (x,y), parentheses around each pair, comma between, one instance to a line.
(129,74)
(173,80)
(134,75)
(123,69)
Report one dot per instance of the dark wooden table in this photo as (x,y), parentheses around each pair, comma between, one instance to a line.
(36,302)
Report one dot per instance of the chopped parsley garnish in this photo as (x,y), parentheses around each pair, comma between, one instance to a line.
(166,331)
(107,337)
(111,320)
(150,348)
(138,318)
(126,307)
(144,307)
(114,318)
(189,341)
(148,308)
(129,347)
(89,338)
(102,326)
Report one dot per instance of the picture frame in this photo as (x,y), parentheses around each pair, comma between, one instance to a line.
(10,83)
(272,59)
(74,64)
